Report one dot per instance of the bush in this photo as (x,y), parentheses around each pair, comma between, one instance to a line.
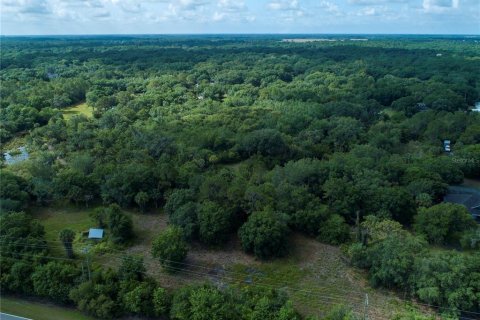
(334,231)
(120,224)
(444,222)
(215,223)
(54,280)
(310,220)
(265,234)
(139,300)
(186,218)
(161,302)
(132,268)
(201,303)
(170,248)
(471,240)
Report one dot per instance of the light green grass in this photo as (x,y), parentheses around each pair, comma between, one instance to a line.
(79,109)
(56,219)
(38,311)
(316,278)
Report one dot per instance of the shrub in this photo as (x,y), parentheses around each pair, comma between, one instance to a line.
(170,248)
(265,234)
(334,231)
(444,222)
(214,223)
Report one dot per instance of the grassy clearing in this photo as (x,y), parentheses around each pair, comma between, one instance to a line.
(315,275)
(55,219)
(78,109)
(38,311)
(316,278)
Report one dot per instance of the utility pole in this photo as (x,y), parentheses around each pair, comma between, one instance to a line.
(365,310)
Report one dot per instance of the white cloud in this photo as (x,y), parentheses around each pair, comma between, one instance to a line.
(440,6)
(284,5)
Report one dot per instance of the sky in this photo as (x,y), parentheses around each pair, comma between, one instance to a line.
(47,17)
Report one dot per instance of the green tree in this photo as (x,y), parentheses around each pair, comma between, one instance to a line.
(334,230)
(161,301)
(170,248)
(67,236)
(265,234)
(141,199)
(214,223)
(139,300)
(54,280)
(132,268)
(120,224)
(444,222)
(392,260)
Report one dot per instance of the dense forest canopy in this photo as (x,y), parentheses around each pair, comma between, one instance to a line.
(246,136)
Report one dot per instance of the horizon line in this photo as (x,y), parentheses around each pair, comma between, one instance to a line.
(238,33)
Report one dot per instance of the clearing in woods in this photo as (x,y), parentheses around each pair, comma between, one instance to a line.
(315,275)
(78,109)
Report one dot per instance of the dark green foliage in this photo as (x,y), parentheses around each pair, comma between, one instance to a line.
(471,239)
(67,236)
(99,296)
(132,268)
(186,218)
(214,223)
(19,278)
(267,142)
(219,131)
(118,223)
(265,234)
(178,198)
(21,234)
(139,300)
(161,301)
(204,302)
(13,195)
(170,248)
(444,223)
(201,303)
(334,230)
(310,219)
(54,280)
(448,279)
(392,260)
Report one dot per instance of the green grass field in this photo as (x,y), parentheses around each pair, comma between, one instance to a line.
(78,109)
(56,219)
(38,311)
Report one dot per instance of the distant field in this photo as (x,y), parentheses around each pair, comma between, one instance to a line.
(38,310)
(81,108)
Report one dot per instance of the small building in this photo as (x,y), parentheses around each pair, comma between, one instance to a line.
(446,145)
(95,234)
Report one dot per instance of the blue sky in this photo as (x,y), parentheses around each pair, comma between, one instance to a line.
(22,17)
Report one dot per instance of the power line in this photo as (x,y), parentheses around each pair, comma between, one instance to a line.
(248,274)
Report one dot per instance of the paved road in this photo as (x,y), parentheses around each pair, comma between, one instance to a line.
(6,316)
